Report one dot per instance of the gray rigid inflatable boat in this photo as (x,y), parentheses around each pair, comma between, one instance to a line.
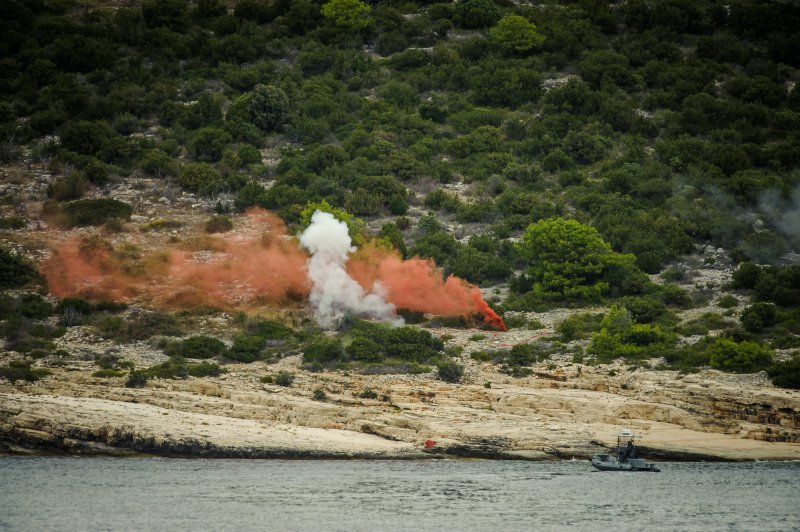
(627,458)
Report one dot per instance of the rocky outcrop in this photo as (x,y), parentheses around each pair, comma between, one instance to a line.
(89,426)
(705,416)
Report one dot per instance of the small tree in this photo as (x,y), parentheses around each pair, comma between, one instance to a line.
(201,178)
(268,107)
(476,13)
(569,260)
(514,33)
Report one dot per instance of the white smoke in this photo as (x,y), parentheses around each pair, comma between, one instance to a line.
(783,213)
(334,292)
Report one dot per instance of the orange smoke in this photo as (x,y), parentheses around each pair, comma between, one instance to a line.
(416,284)
(87,268)
(256,264)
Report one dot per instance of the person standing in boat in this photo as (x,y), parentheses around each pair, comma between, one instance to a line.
(630,451)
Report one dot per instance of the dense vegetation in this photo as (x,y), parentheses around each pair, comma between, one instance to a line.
(606,139)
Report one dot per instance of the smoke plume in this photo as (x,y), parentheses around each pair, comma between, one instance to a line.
(260,264)
(417,284)
(334,292)
(783,213)
(257,264)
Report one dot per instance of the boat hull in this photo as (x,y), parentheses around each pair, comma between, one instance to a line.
(604,462)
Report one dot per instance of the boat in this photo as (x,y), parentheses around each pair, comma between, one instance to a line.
(627,458)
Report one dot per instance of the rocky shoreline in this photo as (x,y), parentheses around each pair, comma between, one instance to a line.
(708,416)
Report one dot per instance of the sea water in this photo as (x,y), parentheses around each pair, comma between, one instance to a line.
(50,493)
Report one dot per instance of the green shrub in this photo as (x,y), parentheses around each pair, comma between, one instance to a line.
(319,395)
(249,154)
(158,164)
(284,378)
(514,33)
(219,223)
(108,373)
(12,222)
(674,296)
(72,311)
(323,350)
(746,275)
(15,271)
(743,357)
(246,348)
(136,379)
(34,306)
(208,144)
(201,178)
(673,274)
(410,343)
(579,326)
(22,371)
(449,371)
(87,212)
(268,107)
(786,374)
(621,337)
(757,317)
(139,327)
(268,329)
(475,14)
(368,393)
(196,347)
(204,370)
(727,301)
(411,317)
(364,350)
(177,368)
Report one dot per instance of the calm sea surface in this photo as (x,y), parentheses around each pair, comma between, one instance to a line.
(173,494)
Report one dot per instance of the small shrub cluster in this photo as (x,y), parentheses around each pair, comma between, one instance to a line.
(375,348)
(141,326)
(196,347)
(15,271)
(24,327)
(620,336)
(11,222)
(175,368)
(22,371)
(449,371)
(284,378)
(319,395)
(87,212)
(368,393)
(219,223)
(513,361)
(786,374)
(579,326)
(261,339)
(74,311)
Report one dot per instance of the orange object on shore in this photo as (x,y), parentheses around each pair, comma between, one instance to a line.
(430,444)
